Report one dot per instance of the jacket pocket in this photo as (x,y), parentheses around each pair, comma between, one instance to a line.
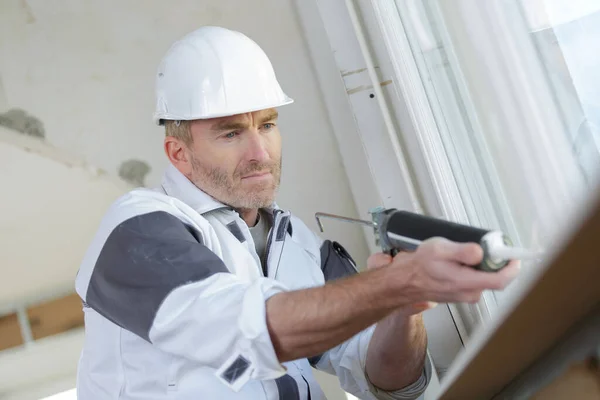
(336,262)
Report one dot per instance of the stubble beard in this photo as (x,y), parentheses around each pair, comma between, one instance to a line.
(231,190)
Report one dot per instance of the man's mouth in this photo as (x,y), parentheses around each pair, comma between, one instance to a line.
(257,175)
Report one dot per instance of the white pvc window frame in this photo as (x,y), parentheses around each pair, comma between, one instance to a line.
(339,40)
(537,172)
(386,118)
(439,188)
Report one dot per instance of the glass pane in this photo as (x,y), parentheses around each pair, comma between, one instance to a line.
(567,36)
(503,141)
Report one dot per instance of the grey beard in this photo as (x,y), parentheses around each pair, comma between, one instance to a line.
(217,183)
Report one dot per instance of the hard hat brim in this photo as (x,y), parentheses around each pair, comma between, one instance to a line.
(159,118)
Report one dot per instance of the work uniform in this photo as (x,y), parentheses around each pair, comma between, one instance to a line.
(174,296)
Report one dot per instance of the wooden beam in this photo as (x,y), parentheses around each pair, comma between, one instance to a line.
(10,332)
(55,316)
(45,319)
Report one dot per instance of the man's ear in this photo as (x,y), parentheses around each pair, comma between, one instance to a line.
(178,154)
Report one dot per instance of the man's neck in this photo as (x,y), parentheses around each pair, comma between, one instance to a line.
(250,216)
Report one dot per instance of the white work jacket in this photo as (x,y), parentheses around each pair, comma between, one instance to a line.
(174,300)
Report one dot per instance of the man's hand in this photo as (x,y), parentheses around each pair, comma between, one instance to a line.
(439,270)
(436,270)
(457,256)
(379,260)
(306,322)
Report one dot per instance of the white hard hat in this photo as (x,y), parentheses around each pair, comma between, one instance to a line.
(215,72)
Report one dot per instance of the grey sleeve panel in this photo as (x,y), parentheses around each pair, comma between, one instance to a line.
(336,263)
(288,388)
(142,261)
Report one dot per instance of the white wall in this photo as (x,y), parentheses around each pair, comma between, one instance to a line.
(52,203)
(45,367)
(86,70)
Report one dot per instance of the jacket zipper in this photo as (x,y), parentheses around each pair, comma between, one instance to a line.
(307,386)
(274,231)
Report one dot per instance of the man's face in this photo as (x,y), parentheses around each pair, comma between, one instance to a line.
(237,159)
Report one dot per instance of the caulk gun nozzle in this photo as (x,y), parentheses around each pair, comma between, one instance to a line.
(516,253)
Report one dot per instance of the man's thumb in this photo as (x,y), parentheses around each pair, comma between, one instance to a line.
(378,260)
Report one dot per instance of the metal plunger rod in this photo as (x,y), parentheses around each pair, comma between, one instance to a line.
(320,215)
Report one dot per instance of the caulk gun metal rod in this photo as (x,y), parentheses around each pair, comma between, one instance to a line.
(339,217)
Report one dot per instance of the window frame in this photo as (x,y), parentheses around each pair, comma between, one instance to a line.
(370,72)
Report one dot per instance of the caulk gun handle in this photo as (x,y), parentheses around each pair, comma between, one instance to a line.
(391,251)
(381,221)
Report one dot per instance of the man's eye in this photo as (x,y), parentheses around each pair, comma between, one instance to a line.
(231,135)
(268,126)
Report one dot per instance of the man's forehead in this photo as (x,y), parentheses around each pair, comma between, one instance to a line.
(246,117)
(239,121)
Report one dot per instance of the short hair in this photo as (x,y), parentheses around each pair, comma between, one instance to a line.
(180,130)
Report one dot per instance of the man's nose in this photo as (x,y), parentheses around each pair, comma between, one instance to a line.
(257,148)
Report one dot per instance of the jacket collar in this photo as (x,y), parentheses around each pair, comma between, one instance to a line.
(177,185)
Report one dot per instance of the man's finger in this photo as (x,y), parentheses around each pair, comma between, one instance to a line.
(469,254)
(511,271)
(444,249)
(424,306)
(378,260)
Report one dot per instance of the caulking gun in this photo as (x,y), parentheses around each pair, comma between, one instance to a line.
(397,230)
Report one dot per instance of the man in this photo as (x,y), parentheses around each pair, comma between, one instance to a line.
(205,289)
